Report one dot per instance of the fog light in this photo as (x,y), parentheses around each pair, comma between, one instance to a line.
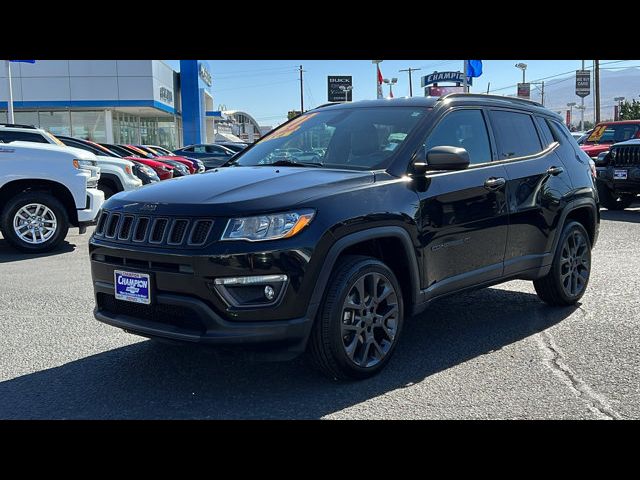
(269,292)
(251,292)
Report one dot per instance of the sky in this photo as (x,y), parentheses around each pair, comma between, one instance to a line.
(268,89)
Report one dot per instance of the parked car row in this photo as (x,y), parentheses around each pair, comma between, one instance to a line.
(43,189)
(213,155)
(615,149)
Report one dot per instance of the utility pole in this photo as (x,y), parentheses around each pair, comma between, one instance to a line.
(301,91)
(582,107)
(410,80)
(596,81)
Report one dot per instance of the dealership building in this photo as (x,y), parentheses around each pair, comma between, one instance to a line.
(122,101)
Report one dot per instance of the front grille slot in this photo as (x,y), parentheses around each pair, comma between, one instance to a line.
(112,225)
(200,232)
(101,223)
(125,228)
(170,232)
(141,229)
(178,230)
(158,230)
(627,156)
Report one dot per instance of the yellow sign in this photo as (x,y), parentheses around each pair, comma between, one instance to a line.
(291,127)
(597,133)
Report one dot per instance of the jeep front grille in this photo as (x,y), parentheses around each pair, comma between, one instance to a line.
(627,156)
(154,231)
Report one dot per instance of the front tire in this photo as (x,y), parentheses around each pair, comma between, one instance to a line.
(567,280)
(34,222)
(360,320)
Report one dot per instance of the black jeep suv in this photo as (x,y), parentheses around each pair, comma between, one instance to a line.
(618,175)
(389,205)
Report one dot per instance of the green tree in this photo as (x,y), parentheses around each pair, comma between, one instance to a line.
(630,110)
(587,125)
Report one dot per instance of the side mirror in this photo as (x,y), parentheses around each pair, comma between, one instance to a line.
(447,158)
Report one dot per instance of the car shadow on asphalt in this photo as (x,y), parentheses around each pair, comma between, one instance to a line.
(149,380)
(632,216)
(10,254)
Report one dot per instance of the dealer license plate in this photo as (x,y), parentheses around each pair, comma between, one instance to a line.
(619,174)
(132,287)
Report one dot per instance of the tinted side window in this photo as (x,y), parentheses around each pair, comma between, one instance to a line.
(187,149)
(547,136)
(515,133)
(199,149)
(465,129)
(9,136)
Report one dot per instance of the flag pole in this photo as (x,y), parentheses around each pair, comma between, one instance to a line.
(464,80)
(10,102)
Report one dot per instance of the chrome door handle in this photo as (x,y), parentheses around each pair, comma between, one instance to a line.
(494,183)
(555,170)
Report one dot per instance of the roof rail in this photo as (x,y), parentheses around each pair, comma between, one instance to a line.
(495,97)
(327,104)
(18,125)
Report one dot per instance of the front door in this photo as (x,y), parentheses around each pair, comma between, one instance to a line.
(464,216)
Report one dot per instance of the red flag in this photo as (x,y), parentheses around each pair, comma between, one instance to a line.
(380,94)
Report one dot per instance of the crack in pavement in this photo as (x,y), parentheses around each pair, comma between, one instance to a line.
(554,359)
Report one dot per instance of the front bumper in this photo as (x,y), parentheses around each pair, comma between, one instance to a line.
(187,319)
(629,185)
(94,201)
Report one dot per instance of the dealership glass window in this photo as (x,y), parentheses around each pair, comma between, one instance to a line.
(89,125)
(4,117)
(58,123)
(26,118)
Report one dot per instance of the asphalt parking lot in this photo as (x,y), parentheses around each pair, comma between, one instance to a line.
(493,353)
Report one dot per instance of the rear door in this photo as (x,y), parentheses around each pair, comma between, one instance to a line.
(463,213)
(536,184)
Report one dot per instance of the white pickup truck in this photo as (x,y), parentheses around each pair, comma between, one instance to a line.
(116,173)
(44,189)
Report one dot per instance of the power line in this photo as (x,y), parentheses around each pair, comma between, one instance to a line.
(255,86)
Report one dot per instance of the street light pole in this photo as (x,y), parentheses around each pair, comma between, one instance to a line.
(11,118)
(391,83)
(523,67)
(619,100)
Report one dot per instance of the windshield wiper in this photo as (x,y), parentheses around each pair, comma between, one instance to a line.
(294,163)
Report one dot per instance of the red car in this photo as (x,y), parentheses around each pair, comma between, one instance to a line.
(164,171)
(606,134)
(193,168)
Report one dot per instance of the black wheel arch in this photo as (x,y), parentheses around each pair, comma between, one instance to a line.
(583,210)
(112,181)
(364,239)
(58,190)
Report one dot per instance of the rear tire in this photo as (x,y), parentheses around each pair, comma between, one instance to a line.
(568,278)
(360,320)
(51,217)
(612,201)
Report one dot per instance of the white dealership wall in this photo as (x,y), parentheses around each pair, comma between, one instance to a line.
(130,86)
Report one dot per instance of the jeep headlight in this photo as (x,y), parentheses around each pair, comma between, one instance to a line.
(267,227)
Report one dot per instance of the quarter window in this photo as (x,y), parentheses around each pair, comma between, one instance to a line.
(515,133)
(9,136)
(466,129)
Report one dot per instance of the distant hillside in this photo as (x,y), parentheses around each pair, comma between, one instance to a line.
(620,83)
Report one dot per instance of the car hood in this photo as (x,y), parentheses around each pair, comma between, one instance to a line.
(116,162)
(240,190)
(596,148)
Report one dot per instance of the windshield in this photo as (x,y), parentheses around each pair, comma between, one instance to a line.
(612,133)
(352,138)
